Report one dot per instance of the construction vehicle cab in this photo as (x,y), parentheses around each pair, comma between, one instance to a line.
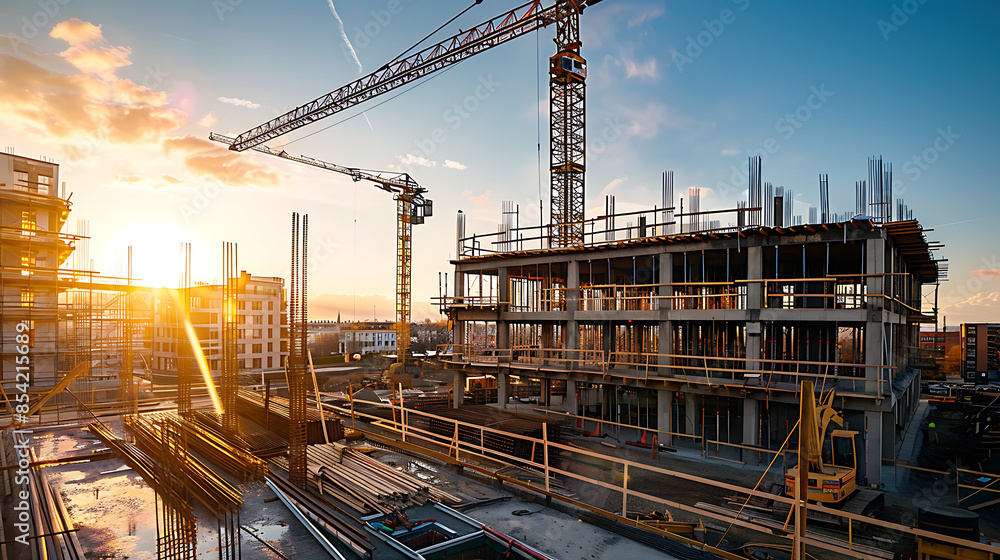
(831,462)
(837,479)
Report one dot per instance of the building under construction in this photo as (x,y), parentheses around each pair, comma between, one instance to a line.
(669,323)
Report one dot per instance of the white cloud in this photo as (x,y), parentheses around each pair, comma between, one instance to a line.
(207,120)
(613,184)
(410,159)
(642,71)
(239,102)
(649,13)
(647,121)
(478,200)
(454,165)
(350,47)
(732,152)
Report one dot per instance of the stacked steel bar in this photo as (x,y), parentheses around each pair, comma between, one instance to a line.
(54,534)
(335,520)
(176,527)
(277,417)
(162,438)
(295,366)
(230,371)
(260,442)
(215,448)
(364,483)
(510,422)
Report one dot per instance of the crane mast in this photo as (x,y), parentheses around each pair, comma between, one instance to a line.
(568,137)
(567,80)
(411,209)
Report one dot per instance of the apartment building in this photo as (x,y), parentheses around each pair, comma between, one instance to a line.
(262,325)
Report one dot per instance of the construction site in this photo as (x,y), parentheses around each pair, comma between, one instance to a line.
(677,382)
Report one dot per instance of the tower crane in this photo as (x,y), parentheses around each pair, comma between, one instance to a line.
(567,87)
(411,209)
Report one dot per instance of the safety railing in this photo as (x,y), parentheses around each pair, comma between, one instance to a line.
(617,297)
(445,303)
(708,295)
(849,378)
(469,353)
(590,360)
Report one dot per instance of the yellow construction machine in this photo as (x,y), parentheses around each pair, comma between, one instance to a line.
(831,460)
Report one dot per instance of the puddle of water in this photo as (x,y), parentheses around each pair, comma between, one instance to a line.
(417,468)
(270,533)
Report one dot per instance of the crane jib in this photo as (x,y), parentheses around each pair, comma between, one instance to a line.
(513,24)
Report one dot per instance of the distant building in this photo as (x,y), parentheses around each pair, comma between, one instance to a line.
(980,352)
(32,214)
(262,325)
(364,337)
(318,329)
(941,341)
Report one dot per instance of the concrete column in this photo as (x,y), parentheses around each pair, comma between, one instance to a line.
(503,297)
(570,402)
(873,448)
(503,389)
(573,286)
(546,392)
(664,407)
(691,413)
(755,259)
(572,333)
(874,264)
(665,340)
(751,421)
(873,350)
(755,292)
(457,388)
(458,327)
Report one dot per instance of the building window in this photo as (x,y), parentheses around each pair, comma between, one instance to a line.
(270,347)
(270,319)
(243,305)
(27,263)
(256,363)
(258,348)
(257,333)
(27,297)
(29,223)
(270,333)
(22,181)
(270,306)
(270,361)
(241,348)
(256,305)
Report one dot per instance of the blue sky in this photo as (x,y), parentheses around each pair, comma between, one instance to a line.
(689,86)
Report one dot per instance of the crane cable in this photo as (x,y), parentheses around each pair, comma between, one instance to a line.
(442,26)
(460,14)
